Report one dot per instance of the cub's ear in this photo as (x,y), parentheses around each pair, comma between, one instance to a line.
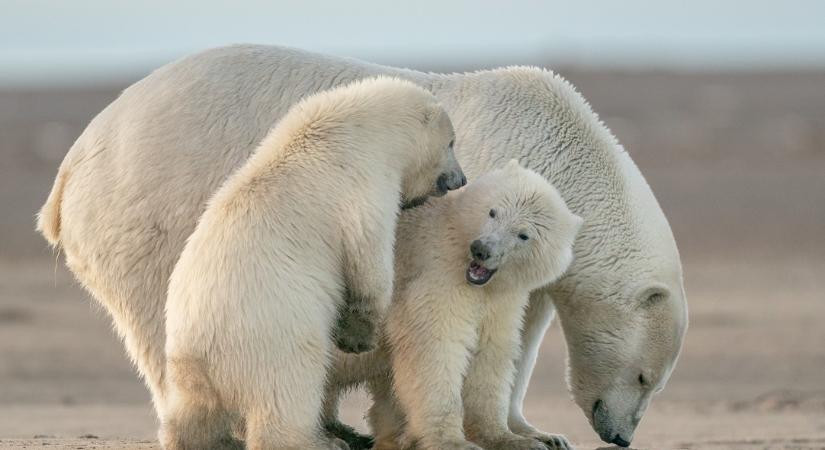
(432,114)
(577,223)
(512,164)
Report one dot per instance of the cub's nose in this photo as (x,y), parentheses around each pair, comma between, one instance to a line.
(479,250)
(449,181)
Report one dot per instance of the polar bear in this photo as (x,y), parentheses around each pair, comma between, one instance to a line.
(132,187)
(261,283)
(464,272)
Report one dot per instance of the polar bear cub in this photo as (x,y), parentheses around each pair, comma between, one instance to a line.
(464,271)
(293,252)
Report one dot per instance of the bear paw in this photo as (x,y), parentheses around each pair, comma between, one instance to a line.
(355,331)
(354,439)
(551,441)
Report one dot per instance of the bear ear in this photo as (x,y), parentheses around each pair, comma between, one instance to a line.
(577,223)
(512,164)
(432,114)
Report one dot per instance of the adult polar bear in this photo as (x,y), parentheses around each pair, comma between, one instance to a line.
(132,187)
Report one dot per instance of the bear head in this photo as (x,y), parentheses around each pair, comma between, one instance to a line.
(520,230)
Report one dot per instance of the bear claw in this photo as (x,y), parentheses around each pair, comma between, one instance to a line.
(554,441)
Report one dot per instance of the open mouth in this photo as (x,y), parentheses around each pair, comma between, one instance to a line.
(478,274)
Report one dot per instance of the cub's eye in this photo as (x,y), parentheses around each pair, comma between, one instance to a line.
(523,236)
(642,380)
(492,213)
(451,143)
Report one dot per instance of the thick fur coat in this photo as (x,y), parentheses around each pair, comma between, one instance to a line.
(464,273)
(296,240)
(132,187)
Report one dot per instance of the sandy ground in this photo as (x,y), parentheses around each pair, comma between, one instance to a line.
(751,376)
(737,161)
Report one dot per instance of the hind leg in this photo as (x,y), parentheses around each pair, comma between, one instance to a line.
(333,426)
(354,440)
(537,319)
(385,417)
(137,313)
(266,432)
(193,427)
(126,271)
(194,417)
(291,420)
(281,385)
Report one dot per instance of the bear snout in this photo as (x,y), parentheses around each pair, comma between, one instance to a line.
(450,181)
(480,251)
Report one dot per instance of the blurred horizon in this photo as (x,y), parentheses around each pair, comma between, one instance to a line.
(44,43)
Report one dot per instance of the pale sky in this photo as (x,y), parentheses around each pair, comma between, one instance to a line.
(84,40)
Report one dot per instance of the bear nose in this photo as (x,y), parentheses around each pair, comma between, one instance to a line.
(449,181)
(479,250)
(620,442)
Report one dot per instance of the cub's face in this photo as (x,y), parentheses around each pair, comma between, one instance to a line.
(436,170)
(526,234)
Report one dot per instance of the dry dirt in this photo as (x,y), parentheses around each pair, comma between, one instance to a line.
(737,161)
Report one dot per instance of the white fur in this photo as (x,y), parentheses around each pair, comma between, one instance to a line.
(257,290)
(132,187)
(453,344)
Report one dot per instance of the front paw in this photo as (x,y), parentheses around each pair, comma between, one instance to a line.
(355,331)
(551,441)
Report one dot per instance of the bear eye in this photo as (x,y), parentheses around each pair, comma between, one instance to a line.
(523,236)
(451,143)
(493,213)
(642,379)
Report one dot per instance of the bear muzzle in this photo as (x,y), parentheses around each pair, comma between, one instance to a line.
(450,181)
(477,273)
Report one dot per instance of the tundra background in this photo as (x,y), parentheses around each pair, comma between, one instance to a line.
(737,162)
(735,153)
